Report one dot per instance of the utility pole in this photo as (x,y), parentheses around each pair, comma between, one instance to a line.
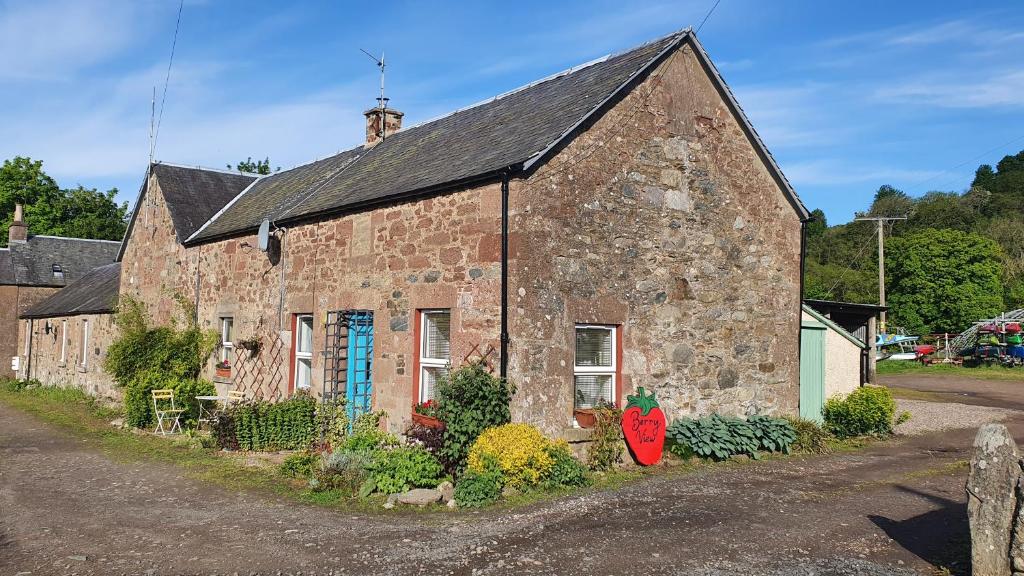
(880,221)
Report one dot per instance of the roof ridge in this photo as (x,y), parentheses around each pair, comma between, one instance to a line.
(207,169)
(71,238)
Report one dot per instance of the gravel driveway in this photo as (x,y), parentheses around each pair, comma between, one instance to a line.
(896,508)
(928,417)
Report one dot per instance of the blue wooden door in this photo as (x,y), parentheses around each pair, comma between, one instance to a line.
(359,387)
(812,370)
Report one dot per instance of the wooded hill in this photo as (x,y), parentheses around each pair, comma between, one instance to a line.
(957,258)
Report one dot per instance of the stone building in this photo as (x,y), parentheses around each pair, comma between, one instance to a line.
(619,224)
(32,268)
(68,333)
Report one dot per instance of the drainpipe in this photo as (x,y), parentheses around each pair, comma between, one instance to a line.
(504,275)
(800,305)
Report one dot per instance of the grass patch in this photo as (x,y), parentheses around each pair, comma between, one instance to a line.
(911,394)
(81,417)
(994,372)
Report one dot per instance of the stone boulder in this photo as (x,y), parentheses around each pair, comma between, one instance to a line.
(447,490)
(419,497)
(991,499)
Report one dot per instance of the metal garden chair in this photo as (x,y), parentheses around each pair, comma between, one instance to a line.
(161,399)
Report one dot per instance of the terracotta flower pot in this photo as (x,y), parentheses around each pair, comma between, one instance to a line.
(223,372)
(585,417)
(428,421)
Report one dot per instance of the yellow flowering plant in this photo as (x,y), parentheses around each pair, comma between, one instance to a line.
(521,451)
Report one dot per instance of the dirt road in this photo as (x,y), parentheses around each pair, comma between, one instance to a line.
(895,508)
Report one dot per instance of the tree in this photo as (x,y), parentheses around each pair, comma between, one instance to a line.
(891,202)
(79,212)
(261,167)
(942,280)
(818,224)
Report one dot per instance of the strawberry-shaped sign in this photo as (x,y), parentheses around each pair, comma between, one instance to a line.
(643,425)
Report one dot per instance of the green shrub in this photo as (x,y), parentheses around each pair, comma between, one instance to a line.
(404,468)
(605,448)
(773,434)
(565,469)
(180,353)
(810,437)
(720,437)
(287,425)
(299,465)
(332,422)
(223,429)
(138,398)
(343,471)
(15,385)
(367,436)
(480,488)
(469,401)
(869,410)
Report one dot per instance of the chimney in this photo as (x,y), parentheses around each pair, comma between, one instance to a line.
(18,232)
(381,122)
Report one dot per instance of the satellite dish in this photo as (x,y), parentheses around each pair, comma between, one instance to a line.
(264,235)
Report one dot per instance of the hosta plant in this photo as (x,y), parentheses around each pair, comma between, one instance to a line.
(773,434)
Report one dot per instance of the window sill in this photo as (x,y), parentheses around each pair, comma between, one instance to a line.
(62,364)
(222,380)
(82,369)
(573,435)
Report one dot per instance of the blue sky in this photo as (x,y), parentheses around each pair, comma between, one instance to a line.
(847,96)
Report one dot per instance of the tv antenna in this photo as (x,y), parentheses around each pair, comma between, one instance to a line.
(382,102)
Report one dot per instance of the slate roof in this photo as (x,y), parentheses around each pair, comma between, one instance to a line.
(512,131)
(31,263)
(93,293)
(193,195)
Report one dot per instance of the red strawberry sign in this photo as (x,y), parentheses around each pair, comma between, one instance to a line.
(643,425)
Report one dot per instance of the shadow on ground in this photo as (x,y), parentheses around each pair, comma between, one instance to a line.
(940,537)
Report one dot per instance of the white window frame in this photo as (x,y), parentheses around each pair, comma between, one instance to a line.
(63,341)
(302,356)
(426,362)
(226,346)
(612,370)
(84,360)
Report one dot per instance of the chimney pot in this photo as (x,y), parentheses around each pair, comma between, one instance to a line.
(375,118)
(18,232)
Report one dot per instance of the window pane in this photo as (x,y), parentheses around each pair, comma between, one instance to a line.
(437,335)
(593,347)
(303,372)
(304,341)
(428,381)
(591,389)
(227,332)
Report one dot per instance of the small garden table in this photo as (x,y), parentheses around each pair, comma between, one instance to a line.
(206,415)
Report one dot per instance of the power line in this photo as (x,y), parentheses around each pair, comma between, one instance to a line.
(708,15)
(167,80)
(921,183)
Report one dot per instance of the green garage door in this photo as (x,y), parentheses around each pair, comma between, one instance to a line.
(812,370)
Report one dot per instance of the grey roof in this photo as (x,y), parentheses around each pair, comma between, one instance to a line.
(513,131)
(93,293)
(193,195)
(31,263)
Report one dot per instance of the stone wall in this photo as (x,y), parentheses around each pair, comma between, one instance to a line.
(660,219)
(85,372)
(8,328)
(15,300)
(441,252)
(155,266)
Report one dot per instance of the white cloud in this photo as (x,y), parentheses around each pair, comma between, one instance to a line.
(791,116)
(52,39)
(827,172)
(999,89)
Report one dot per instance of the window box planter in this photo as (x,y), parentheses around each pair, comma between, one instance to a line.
(585,417)
(223,372)
(427,421)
